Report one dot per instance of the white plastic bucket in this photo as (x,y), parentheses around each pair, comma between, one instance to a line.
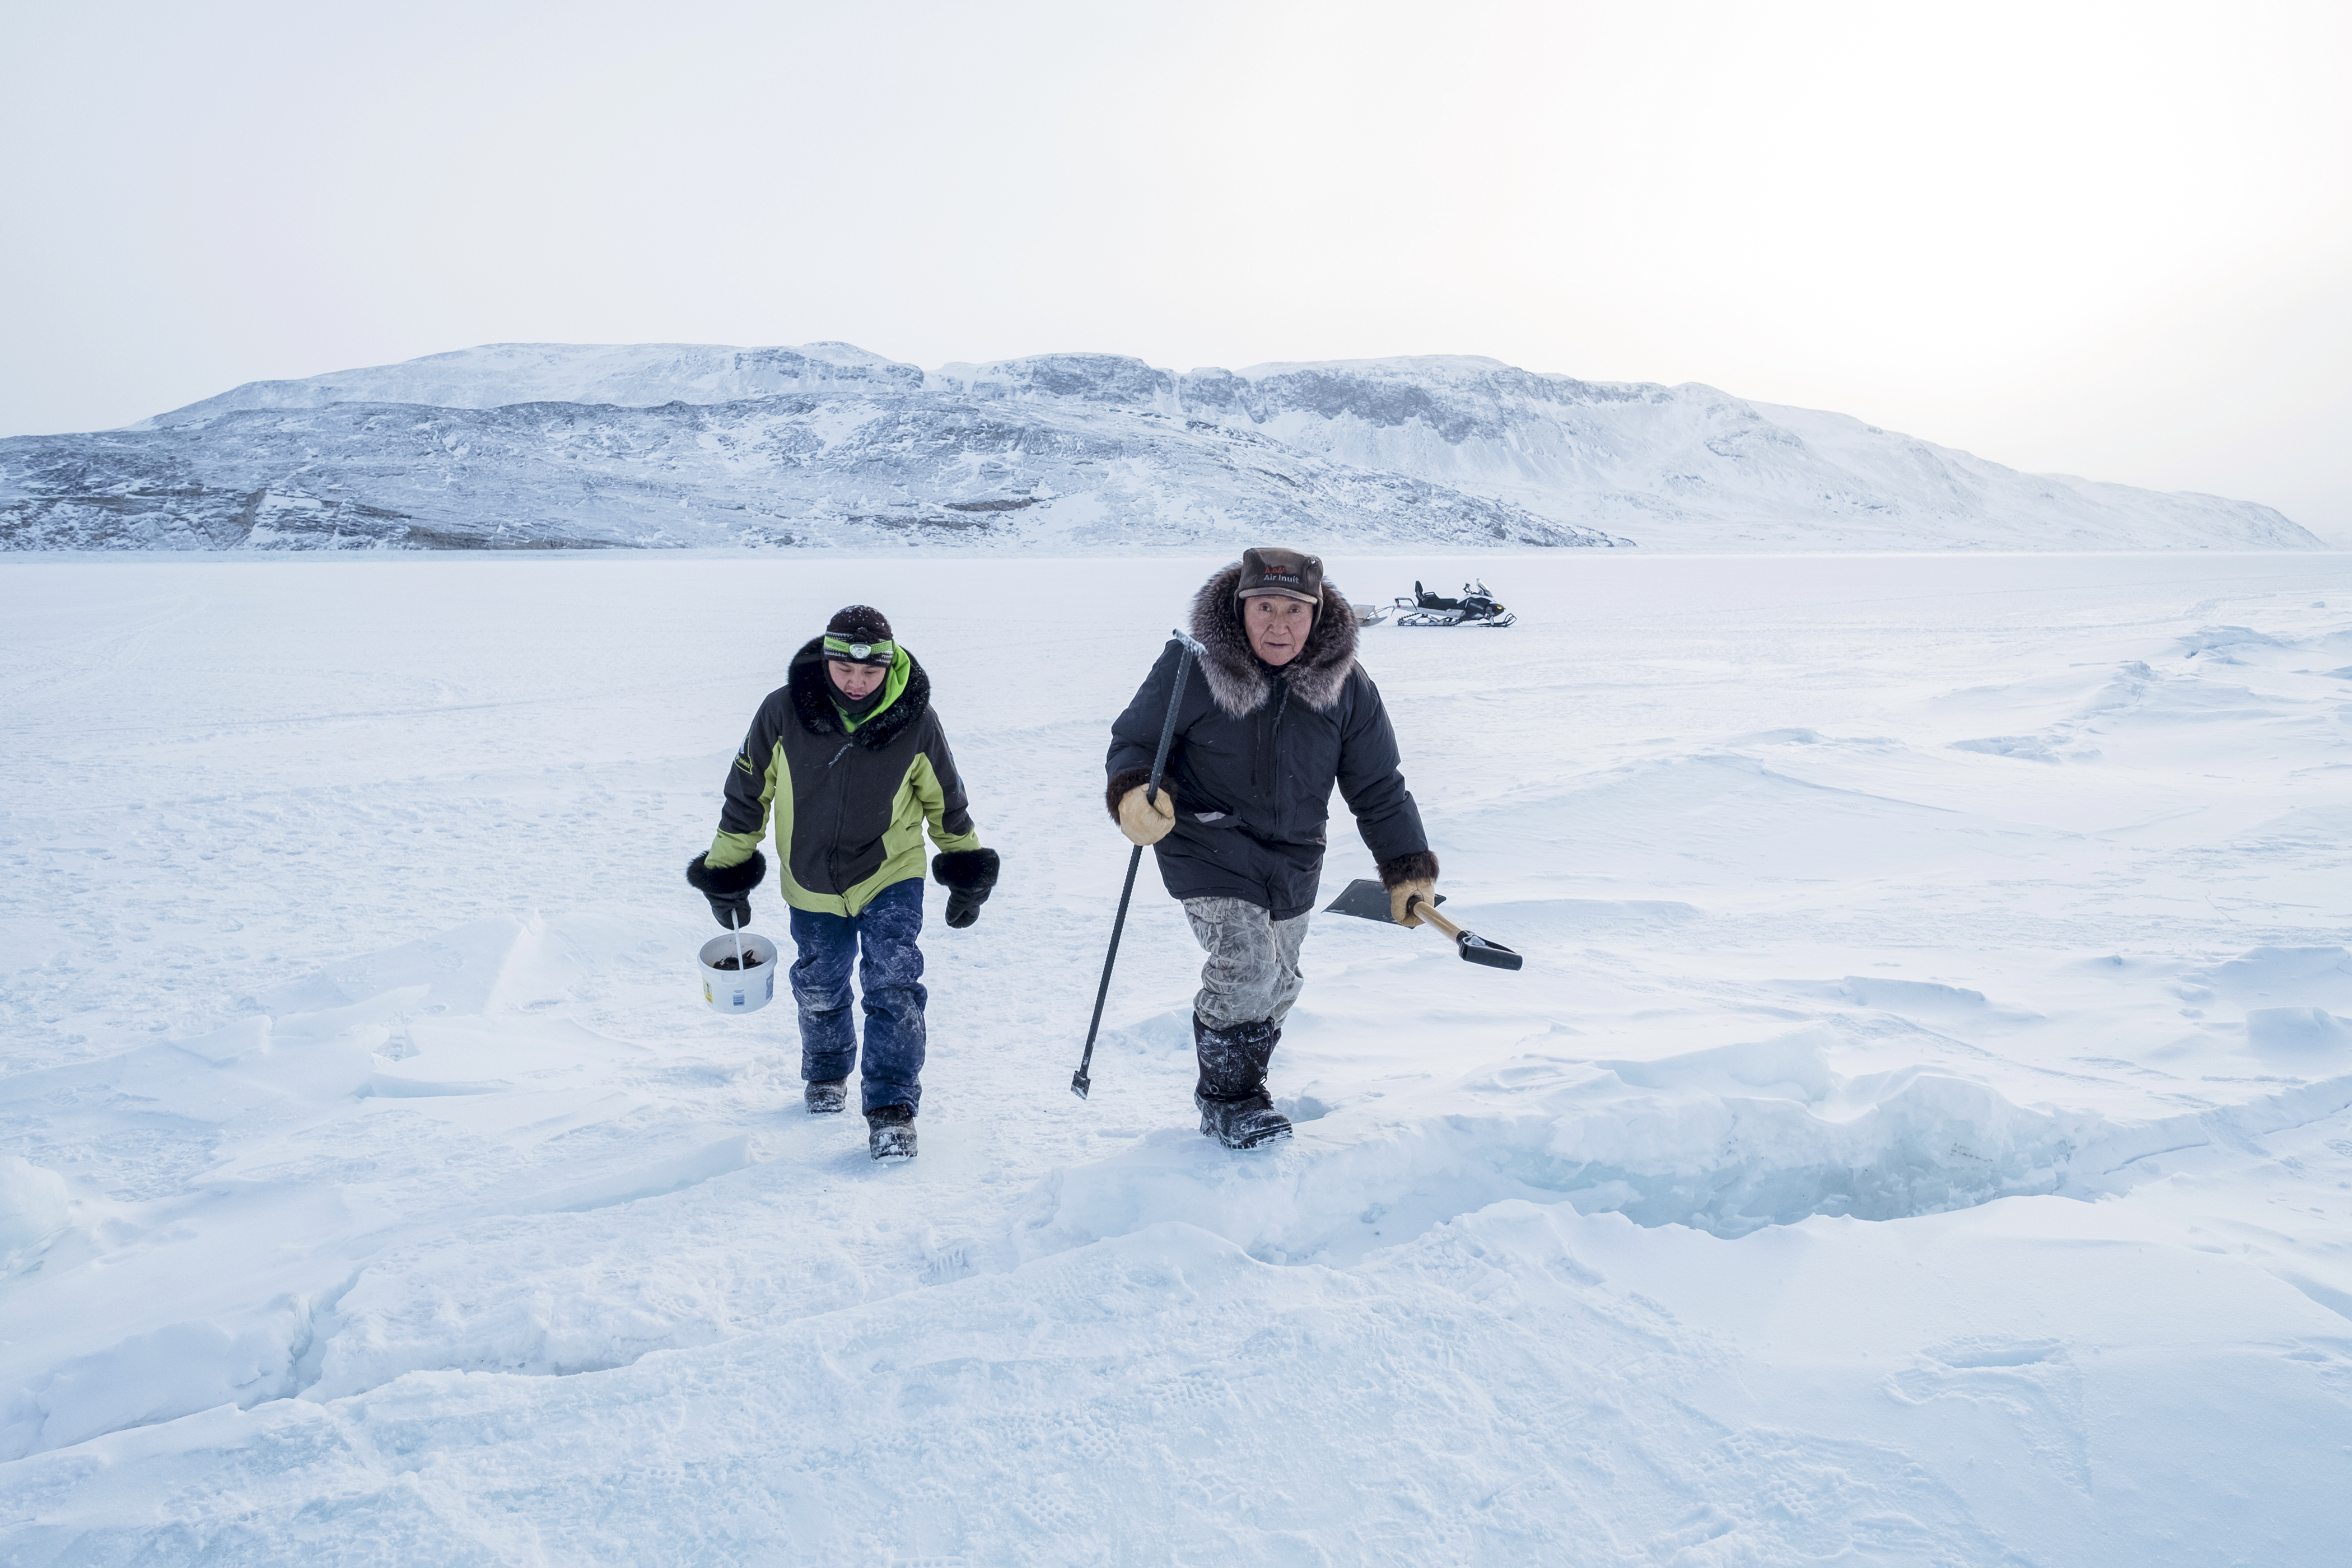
(733,991)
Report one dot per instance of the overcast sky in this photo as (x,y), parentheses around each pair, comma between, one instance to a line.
(2113,240)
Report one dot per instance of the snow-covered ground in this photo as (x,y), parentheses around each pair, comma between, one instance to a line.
(1920,1134)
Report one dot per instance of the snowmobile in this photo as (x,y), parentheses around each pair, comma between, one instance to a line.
(1475,607)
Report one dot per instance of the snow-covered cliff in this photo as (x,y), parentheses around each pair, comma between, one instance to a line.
(629,375)
(516,445)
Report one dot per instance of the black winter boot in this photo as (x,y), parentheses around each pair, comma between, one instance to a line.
(1235,1107)
(890,1132)
(827,1094)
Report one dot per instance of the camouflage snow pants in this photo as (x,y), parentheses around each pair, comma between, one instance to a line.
(1251,974)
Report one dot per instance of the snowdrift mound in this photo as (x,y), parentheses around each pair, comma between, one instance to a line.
(1065,1412)
(400,1165)
(2273,975)
(2305,1037)
(1711,819)
(1727,1141)
(521,445)
(34,1209)
(407,1103)
(2209,697)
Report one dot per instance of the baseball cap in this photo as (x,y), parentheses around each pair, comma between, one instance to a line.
(1289,573)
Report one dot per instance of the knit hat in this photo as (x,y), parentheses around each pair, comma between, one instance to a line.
(860,633)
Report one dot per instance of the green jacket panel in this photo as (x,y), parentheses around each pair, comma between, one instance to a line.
(849,809)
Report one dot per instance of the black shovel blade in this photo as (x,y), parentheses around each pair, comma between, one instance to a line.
(1367,901)
(1476,949)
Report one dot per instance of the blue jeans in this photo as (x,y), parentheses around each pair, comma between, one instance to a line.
(892,979)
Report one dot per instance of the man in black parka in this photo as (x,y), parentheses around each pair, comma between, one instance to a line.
(1282,713)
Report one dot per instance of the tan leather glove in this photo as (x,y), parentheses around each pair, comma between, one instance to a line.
(1143,821)
(1426,888)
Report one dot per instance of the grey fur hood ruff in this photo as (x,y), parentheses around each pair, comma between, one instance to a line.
(1239,680)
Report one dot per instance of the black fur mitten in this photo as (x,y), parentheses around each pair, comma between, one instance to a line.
(968,875)
(729,887)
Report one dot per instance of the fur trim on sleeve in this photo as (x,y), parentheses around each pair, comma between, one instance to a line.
(1420,866)
(965,870)
(726,880)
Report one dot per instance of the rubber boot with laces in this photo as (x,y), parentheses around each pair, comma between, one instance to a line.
(1235,1109)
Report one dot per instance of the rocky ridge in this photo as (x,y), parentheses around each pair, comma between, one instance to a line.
(825,445)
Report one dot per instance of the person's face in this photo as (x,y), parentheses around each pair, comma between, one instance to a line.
(854,680)
(1277,627)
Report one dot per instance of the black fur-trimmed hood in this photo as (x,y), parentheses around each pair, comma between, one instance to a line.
(1239,680)
(813,700)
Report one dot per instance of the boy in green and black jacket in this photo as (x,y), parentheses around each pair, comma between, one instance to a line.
(854,764)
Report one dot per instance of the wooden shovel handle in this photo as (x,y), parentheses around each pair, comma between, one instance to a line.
(1417,905)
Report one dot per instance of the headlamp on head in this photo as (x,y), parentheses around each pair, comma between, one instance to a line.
(883,654)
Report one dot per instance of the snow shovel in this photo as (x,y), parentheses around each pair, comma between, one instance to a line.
(1366,899)
(1079,1082)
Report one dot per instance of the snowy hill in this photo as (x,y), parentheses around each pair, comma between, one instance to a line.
(518,445)
(629,375)
(855,470)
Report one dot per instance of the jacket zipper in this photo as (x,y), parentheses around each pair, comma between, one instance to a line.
(1273,758)
(840,782)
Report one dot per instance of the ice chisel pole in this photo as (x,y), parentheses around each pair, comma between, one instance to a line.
(1080,1082)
